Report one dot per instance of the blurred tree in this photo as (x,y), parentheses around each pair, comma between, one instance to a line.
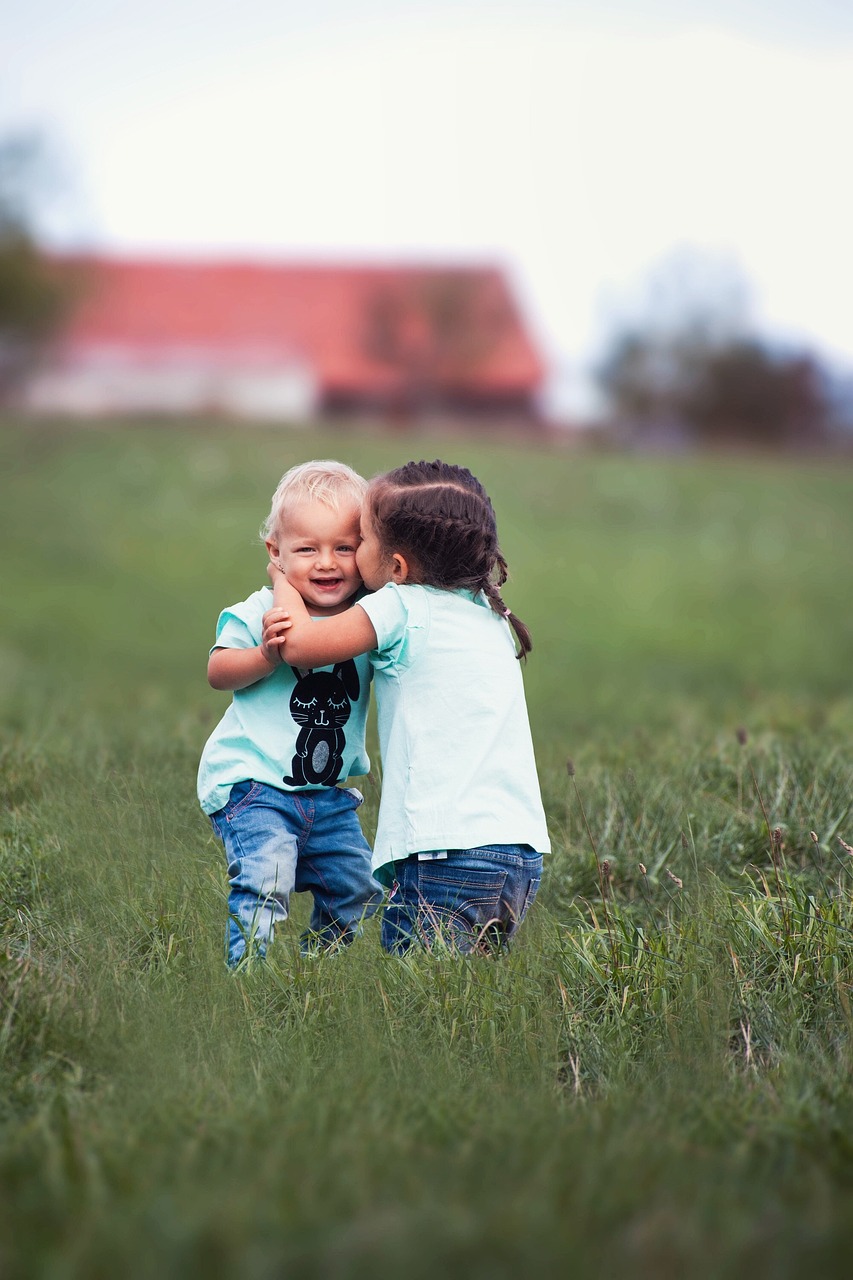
(432,332)
(737,391)
(742,391)
(33,299)
(686,366)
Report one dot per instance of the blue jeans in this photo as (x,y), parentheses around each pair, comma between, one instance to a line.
(472,900)
(277,842)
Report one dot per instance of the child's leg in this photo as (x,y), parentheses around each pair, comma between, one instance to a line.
(472,900)
(260,828)
(335,866)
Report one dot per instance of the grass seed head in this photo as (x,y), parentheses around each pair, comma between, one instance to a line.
(675,878)
(570,767)
(742,736)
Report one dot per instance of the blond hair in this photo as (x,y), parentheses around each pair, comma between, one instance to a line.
(322,480)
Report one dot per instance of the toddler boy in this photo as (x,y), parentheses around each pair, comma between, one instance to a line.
(269,773)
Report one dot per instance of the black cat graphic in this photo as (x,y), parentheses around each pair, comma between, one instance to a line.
(321,704)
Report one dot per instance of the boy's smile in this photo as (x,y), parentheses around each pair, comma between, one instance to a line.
(316,549)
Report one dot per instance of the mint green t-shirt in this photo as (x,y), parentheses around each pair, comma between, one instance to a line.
(295,730)
(457,756)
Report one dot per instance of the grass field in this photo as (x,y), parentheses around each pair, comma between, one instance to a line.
(656,1084)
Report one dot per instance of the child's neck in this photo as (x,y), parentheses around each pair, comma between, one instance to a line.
(318,611)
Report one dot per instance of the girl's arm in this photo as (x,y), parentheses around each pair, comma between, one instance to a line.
(313,644)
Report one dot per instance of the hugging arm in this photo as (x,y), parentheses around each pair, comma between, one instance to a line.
(308,644)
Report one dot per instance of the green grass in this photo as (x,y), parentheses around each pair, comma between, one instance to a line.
(657,1083)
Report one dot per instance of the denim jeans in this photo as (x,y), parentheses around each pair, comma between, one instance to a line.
(277,842)
(472,900)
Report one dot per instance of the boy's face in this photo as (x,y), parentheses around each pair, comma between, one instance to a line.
(316,549)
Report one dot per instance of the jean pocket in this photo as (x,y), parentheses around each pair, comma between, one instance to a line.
(357,797)
(532,890)
(460,889)
(242,795)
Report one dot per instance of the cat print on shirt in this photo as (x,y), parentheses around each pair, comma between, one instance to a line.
(321,703)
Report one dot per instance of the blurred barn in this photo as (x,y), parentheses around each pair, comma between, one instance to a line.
(287,342)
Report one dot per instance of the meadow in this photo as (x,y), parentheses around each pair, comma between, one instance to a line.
(655,1081)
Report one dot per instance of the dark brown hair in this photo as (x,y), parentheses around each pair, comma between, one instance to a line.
(439,516)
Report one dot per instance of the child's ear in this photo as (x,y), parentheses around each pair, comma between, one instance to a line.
(399,568)
(272,549)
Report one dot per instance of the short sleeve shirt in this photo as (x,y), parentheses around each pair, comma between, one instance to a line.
(458,770)
(295,730)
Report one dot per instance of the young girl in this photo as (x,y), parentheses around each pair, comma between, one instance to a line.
(461,828)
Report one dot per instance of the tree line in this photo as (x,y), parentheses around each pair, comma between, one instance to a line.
(688,367)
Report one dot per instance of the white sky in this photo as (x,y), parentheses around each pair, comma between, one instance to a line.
(574,142)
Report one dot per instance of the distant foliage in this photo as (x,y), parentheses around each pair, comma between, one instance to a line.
(737,391)
(432,333)
(32,300)
(687,366)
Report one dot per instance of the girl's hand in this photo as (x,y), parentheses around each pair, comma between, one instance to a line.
(277,623)
(274,572)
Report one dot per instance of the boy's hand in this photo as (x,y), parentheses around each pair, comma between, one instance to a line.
(277,622)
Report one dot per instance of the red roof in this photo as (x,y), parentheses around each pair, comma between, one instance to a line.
(360,328)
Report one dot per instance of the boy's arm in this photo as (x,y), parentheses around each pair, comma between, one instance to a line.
(308,644)
(231,669)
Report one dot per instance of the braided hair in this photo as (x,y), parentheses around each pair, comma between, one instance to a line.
(440,517)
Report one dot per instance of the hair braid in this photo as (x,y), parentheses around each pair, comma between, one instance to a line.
(441,517)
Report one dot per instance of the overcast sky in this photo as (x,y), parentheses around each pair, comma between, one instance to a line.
(574,142)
